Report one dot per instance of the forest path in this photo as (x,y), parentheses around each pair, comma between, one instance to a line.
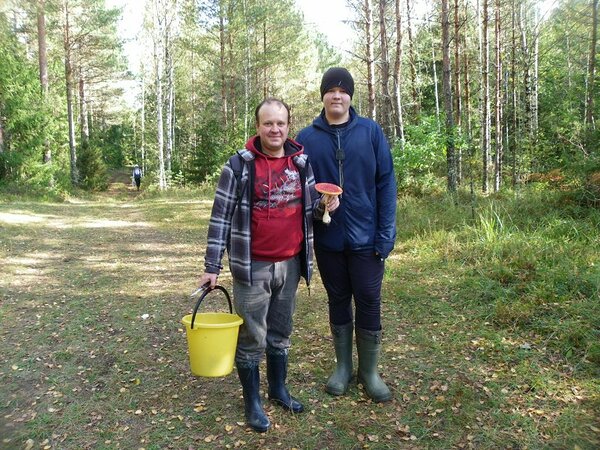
(120,182)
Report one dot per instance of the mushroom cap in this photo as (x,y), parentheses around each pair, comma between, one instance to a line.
(328,188)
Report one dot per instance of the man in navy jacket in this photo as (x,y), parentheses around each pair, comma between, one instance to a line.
(352,152)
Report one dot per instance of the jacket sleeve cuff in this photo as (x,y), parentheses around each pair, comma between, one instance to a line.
(319,210)
(211,268)
(383,249)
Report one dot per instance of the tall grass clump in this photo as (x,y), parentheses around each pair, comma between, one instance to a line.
(534,266)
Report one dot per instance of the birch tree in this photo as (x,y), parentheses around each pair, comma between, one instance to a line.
(158,57)
(84,127)
(370,59)
(43,66)
(386,105)
(485,98)
(69,81)
(514,95)
(223,39)
(1,135)
(591,72)
(498,102)
(446,87)
(416,104)
(467,78)
(434,63)
(399,119)
(170,104)
(457,85)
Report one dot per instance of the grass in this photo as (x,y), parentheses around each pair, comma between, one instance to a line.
(491,330)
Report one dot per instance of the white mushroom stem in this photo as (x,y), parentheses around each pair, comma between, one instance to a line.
(326,216)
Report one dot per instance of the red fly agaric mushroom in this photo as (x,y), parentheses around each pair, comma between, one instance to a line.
(328,190)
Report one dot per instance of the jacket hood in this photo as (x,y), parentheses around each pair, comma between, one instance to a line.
(290,147)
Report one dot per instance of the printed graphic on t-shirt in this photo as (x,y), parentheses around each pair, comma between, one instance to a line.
(285,190)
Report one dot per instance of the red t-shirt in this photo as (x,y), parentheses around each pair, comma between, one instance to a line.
(277,210)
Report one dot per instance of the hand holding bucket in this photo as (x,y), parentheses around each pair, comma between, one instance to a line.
(212,338)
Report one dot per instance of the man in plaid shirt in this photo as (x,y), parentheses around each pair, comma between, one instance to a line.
(263,217)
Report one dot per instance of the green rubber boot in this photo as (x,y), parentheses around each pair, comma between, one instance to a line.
(337,384)
(368,344)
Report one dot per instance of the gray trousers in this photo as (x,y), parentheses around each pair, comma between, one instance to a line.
(267,308)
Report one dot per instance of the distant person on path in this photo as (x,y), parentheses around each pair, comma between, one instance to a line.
(263,215)
(137,176)
(352,152)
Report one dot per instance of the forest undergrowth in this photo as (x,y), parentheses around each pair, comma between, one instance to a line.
(491,319)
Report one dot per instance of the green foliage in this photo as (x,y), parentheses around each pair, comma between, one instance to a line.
(21,109)
(564,46)
(45,182)
(92,170)
(210,154)
(526,262)
(582,177)
(422,158)
(118,148)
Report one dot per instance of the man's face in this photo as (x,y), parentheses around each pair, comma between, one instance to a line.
(272,127)
(337,104)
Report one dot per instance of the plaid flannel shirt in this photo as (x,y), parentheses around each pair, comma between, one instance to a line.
(231,218)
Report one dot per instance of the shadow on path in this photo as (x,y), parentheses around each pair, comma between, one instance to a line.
(120,182)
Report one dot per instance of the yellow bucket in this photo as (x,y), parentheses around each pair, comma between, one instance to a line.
(212,339)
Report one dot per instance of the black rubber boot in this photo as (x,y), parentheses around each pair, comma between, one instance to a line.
(277,362)
(337,384)
(255,415)
(368,344)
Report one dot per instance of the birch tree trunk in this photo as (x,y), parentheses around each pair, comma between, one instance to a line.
(370,59)
(435,84)
(246,76)
(43,67)
(142,163)
(170,109)
(1,135)
(457,91)
(526,72)
(412,63)
(498,101)
(457,86)
(467,108)
(222,66)
(385,112)
(591,72)
(485,101)
(264,52)
(569,62)
(158,73)
(83,113)
(233,107)
(446,87)
(466,81)
(399,122)
(69,89)
(515,132)
(535,81)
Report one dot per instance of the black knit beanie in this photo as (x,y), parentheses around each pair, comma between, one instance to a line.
(337,76)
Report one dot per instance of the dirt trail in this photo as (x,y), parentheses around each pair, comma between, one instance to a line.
(91,296)
(120,183)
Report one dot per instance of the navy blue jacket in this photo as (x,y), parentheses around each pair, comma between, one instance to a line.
(366,218)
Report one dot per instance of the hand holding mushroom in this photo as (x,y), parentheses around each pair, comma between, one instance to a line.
(329,199)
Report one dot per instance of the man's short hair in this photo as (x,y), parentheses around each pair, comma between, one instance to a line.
(268,101)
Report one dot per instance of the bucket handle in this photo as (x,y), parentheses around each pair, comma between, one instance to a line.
(204,294)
